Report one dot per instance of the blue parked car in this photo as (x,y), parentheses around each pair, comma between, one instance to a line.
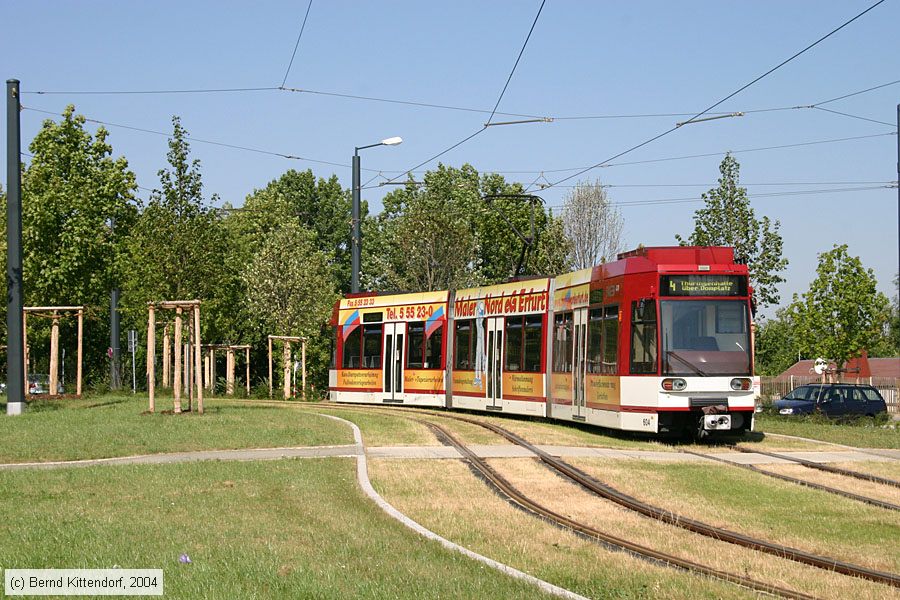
(832,399)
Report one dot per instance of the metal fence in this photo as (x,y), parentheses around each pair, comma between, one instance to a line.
(773,388)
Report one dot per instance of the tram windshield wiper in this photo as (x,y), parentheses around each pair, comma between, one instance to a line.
(686,362)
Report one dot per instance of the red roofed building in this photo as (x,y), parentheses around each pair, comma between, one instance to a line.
(862,367)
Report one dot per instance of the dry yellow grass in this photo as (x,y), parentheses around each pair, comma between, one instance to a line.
(445,497)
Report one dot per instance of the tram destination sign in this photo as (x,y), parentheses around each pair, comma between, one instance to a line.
(703,285)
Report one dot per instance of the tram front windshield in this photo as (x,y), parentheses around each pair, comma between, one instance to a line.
(705,337)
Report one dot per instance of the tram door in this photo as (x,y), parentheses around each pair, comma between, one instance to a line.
(579,364)
(392,355)
(493,372)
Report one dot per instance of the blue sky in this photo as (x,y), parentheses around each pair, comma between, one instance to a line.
(583,59)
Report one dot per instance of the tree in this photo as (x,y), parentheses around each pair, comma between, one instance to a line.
(458,230)
(290,291)
(842,313)
(894,328)
(776,344)
(888,343)
(729,220)
(430,246)
(321,206)
(177,248)
(71,192)
(592,225)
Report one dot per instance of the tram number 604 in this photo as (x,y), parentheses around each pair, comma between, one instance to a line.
(647,422)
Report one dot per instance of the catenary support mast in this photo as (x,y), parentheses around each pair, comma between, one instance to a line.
(15,343)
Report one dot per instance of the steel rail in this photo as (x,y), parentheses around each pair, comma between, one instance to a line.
(803,482)
(605,491)
(514,495)
(821,467)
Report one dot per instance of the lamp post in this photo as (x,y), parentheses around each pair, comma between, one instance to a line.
(356,234)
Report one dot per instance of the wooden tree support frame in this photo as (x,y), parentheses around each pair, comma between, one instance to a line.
(55,313)
(286,341)
(179,306)
(230,364)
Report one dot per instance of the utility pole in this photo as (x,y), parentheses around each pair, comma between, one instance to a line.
(115,379)
(15,344)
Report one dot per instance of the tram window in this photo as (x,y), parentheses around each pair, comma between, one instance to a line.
(562,343)
(514,335)
(463,345)
(534,330)
(415,338)
(730,317)
(434,347)
(595,341)
(371,347)
(353,349)
(643,336)
(610,340)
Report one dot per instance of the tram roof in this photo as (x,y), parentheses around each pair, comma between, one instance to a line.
(671,259)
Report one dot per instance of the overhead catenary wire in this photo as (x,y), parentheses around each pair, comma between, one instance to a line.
(540,172)
(877,185)
(196,139)
(691,156)
(865,91)
(742,184)
(407,102)
(688,199)
(496,105)
(140,92)
(837,112)
(449,107)
(518,58)
(297,45)
(728,97)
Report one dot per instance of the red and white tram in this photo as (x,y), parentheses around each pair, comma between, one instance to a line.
(658,341)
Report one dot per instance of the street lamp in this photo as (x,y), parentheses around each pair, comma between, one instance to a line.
(356,234)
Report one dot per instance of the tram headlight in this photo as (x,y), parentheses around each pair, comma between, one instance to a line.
(741,383)
(674,385)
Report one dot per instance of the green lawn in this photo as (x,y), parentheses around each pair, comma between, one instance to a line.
(861,433)
(117,426)
(274,529)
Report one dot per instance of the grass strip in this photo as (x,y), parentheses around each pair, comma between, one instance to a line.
(282,529)
(118,426)
(863,433)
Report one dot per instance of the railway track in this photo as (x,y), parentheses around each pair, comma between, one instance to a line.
(514,495)
(827,468)
(607,492)
(803,482)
